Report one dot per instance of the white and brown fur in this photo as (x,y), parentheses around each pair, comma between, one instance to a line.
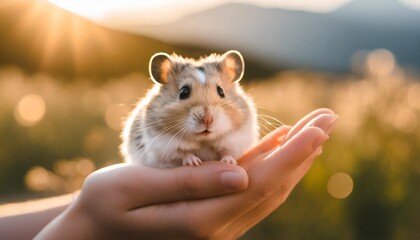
(166,131)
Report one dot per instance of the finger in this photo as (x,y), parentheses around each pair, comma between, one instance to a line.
(326,123)
(255,215)
(268,143)
(292,153)
(266,176)
(321,118)
(305,120)
(141,186)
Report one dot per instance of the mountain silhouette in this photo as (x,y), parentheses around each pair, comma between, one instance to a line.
(383,13)
(278,37)
(40,37)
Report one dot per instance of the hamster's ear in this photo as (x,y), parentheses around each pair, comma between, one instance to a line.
(233,64)
(159,66)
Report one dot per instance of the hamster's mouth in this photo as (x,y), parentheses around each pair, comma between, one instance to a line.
(205,133)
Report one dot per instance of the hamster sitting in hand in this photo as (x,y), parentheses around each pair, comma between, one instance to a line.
(195,112)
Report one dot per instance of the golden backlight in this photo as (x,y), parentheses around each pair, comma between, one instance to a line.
(58,39)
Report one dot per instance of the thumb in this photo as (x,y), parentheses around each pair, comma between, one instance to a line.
(147,186)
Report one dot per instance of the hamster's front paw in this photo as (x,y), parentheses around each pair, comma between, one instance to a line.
(229,159)
(191,160)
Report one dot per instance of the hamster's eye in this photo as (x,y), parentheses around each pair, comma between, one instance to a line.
(184,93)
(220,92)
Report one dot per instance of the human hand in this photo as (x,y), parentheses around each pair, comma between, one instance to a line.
(213,201)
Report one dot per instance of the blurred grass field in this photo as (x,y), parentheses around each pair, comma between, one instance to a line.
(365,185)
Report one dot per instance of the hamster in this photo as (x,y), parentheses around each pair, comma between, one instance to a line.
(195,112)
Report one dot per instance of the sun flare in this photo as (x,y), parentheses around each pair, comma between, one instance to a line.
(63,37)
(92,9)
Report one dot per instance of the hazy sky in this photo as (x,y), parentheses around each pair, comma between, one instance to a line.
(132,12)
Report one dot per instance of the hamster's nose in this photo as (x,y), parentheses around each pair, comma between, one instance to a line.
(207,119)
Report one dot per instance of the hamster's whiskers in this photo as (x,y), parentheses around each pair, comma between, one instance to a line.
(268,123)
(265,109)
(150,125)
(280,123)
(179,131)
(165,130)
(263,128)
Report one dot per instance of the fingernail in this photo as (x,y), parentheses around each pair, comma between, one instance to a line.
(319,141)
(325,124)
(232,180)
(331,125)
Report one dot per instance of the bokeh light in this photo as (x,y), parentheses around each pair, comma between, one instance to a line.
(413,96)
(66,175)
(39,179)
(65,168)
(403,118)
(85,166)
(74,168)
(380,62)
(30,110)
(340,185)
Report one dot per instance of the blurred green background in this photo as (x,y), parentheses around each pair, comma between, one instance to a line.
(66,85)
